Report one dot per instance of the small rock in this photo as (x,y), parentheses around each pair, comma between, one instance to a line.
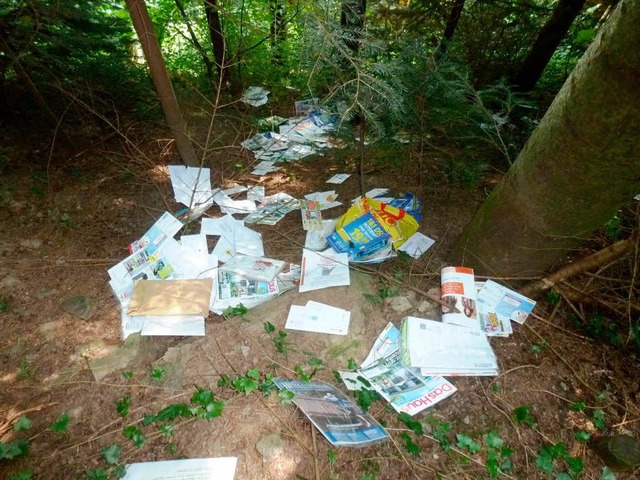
(115,358)
(48,329)
(270,445)
(399,304)
(10,282)
(466,420)
(81,306)
(245,350)
(31,244)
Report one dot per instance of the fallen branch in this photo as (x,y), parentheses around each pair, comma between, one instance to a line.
(599,258)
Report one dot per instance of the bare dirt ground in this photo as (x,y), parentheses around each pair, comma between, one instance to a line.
(64,223)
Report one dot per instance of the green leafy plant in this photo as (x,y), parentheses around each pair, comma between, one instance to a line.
(158,374)
(409,445)
(465,442)
(498,455)
(11,450)
(237,311)
(122,406)
(582,436)
(269,327)
(286,396)
(577,406)
(539,347)
(607,474)
(413,425)
(598,420)
(365,398)
(133,433)
(4,304)
(522,414)
(549,454)
(61,424)
(127,375)
(352,365)
(280,342)
(22,475)
(440,431)
(23,423)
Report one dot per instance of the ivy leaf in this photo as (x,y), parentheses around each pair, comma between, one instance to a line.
(212,410)
(352,365)
(576,465)
(409,445)
(166,430)
(134,434)
(119,471)
(23,475)
(97,474)
(122,407)
(598,420)
(331,455)
(466,442)
(607,474)
(254,374)
(544,461)
(414,426)
(23,423)
(245,385)
(269,327)
(563,476)
(202,397)
(286,396)
(365,398)
(13,450)
(492,464)
(111,454)
(523,415)
(577,406)
(492,440)
(60,425)
(169,413)
(582,436)
(316,362)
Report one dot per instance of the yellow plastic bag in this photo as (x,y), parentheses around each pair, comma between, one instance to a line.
(398,223)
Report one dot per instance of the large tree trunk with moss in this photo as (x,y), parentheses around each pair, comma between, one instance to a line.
(160,76)
(578,168)
(547,42)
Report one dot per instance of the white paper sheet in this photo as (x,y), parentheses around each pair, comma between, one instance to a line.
(320,318)
(191,185)
(416,245)
(339,178)
(322,270)
(173,325)
(223,468)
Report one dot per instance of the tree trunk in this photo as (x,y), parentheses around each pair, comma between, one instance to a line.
(278,28)
(546,44)
(352,14)
(452,24)
(578,168)
(160,76)
(217,38)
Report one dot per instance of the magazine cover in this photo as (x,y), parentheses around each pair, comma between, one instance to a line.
(360,238)
(506,304)
(403,387)
(458,293)
(335,415)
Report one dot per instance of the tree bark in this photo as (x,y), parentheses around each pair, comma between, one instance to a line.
(452,24)
(160,76)
(196,43)
(218,43)
(546,44)
(352,13)
(578,168)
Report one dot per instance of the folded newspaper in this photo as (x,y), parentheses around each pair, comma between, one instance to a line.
(446,349)
(403,387)
(338,418)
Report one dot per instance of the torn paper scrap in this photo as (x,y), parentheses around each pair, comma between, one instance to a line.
(171,297)
(417,244)
(255,96)
(339,178)
(191,185)
(326,199)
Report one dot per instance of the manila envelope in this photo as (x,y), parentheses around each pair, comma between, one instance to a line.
(171,297)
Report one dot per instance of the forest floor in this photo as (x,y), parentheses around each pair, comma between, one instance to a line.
(66,221)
